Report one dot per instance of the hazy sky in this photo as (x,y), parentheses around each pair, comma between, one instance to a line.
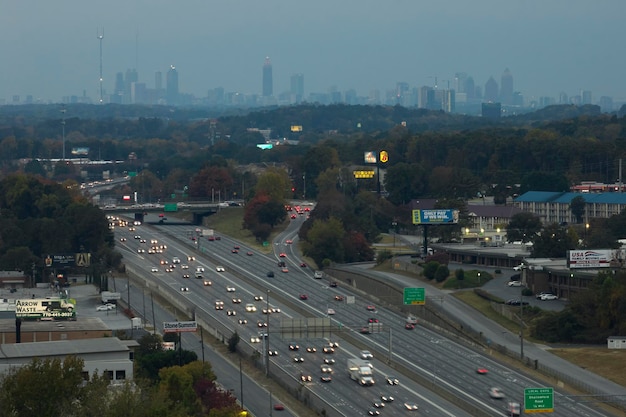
(50,49)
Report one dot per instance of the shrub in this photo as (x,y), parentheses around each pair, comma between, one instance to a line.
(232,342)
(459,274)
(430,268)
(442,273)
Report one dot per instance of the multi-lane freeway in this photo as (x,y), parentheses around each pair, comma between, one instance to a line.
(441,364)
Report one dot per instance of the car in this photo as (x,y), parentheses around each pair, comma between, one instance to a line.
(218,238)
(249,253)
(168,270)
(279,407)
(184,266)
(306,378)
(231,312)
(199,269)
(326,378)
(258,298)
(302,265)
(185,276)
(294,346)
(191,259)
(242,321)
(293,216)
(219,305)
(330,312)
(122,239)
(366,354)
(513,409)
(365,330)
(236,300)
(333,284)
(230,288)
(298,359)
(266,311)
(482,371)
(175,260)
(518,267)
(255,339)
(392,380)
(372,320)
(283,255)
(541,294)
(379,404)
(184,289)
(211,238)
(328,350)
(261,323)
(270,274)
(373,412)
(141,250)
(220,268)
(304,297)
(272,352)
(137,237)
(288,241)
(496,393)
(311,349)
(547,297)
(250,308)
(339,298)
(106,307)
(326,369)
(234,251)
(409,406)
(284,270)
(371,308)
(207,283)
(514,283)
(281,264)
(154,269)
(409,326)
(329,361)
(386,398)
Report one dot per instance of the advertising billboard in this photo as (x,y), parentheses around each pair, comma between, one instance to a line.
(437,216)
(593,258)
(370,157)
(179,326)
(45,309)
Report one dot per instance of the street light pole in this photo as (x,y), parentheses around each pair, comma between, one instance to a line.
(521,317)
(267,336)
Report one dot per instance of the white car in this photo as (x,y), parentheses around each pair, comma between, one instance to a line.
(514,283)
(175,260)
(106,307)
(155,269)
(411,406)
(220,268)
(184,289)
(250,308)
(366,354)
(518,267)
(184,266)
(330,312)
(392,380)
(547,297)
(258,298)
(230,289)
(200,269)
(255,339)
(496,393)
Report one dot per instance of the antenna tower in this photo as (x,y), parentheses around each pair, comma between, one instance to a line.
(100,36)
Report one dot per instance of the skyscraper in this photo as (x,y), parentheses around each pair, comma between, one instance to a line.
(171,81)
(491,90)
(268,86)
(297,87)
(506,87)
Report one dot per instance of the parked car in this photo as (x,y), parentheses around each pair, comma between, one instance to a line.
(541,294)
(547,297)
(514,283)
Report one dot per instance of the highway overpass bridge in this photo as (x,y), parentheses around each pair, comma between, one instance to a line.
(198,210)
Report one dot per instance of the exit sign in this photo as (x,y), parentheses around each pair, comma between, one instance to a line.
(539,400)
(414,296)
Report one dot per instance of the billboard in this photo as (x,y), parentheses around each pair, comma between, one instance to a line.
(593,258)
(179,326)
(437,216)
(80,151)
(370,157)
(45,309)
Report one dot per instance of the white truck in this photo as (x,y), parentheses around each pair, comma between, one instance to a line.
(110,297)
(361,371)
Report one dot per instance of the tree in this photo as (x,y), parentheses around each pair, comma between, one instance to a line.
(442,273)
(232,342)
(430,269)
(523,227)
(553,242)
(578,206)
(324,240)
(275,184)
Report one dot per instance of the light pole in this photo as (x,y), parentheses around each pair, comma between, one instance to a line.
(521,315)
(394,224)
(478,279)
(63,129)
(267,335)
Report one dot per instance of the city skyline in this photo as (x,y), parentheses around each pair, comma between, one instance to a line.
(561,47)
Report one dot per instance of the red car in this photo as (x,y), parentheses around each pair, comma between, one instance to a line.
(373,320)
(293,216)
(409,326)
(283,255)
(279,407)
(371,308)
(304,297)
(482,371)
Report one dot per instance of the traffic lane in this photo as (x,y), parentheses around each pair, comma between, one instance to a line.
(229,375)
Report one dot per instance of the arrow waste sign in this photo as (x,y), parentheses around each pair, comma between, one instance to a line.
(539,400)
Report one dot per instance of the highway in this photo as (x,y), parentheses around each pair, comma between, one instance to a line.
(441,363)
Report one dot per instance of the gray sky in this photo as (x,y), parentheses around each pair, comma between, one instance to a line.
(50,49)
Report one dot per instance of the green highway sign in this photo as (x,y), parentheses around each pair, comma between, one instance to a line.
(170,207)
(539,400)
(414,296)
